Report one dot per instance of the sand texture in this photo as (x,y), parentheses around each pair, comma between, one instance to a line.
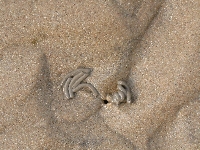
(152,45)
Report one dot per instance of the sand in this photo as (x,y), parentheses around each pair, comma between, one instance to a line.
(152,45)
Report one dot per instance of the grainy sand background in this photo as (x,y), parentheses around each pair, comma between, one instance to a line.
(151,44)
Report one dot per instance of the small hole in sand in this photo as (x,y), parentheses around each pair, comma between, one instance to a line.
(105,101)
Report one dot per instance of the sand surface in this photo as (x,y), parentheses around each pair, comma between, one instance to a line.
(153,45)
